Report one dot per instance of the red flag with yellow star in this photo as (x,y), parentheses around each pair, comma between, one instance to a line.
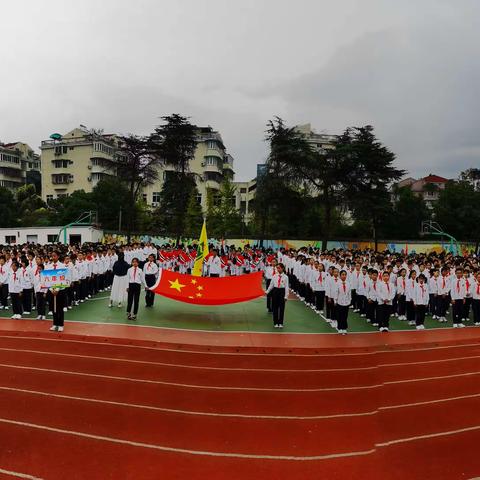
(206,290)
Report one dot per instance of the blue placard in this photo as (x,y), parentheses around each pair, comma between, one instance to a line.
(58,279)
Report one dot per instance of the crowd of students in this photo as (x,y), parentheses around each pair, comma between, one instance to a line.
(376,286)
(379,286)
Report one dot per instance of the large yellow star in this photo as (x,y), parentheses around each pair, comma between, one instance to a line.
(176,285)
(199,287)
(199,295)
(194,282)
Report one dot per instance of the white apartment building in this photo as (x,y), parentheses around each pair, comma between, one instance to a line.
(17,160)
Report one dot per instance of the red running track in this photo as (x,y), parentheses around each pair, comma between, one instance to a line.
(87,409)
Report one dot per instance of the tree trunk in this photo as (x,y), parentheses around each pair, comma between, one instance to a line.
(328,221)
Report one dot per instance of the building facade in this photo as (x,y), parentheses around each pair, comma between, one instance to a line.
(18,163)
(428,187)
(77,160)
(321,142)
(210,166)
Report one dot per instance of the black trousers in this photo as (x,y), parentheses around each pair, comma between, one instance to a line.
(83,288)
(268,281)
(420,314)
(401,305)
(433,305)
(320,300)
(384,312)
(149,295)
(410,311)
(41,302)
(354,299)
(458,310)
(27,299)
(371,311)
(476,310)
(214,275)
(278,305)
(362,304)
(466,307)
(4,295)
(16,303)
(342,317)
(133,297)
(58,303)
(442,305)
(331,311)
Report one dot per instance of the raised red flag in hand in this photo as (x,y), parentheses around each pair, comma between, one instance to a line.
(208,291)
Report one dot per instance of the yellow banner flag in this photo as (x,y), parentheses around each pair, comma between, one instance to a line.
(202,252)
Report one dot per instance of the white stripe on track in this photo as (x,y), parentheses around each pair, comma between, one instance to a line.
(238,415)
(239,369)
(246,354)
(234,454)
(163,448)
(18,475)
(235,388)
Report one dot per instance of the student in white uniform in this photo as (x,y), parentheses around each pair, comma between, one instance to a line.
(410,296)
(279,288)
(458,293)
(386,294)
(15,289)
(3,283)
(150,276)
(214,265)
(135,282)
(342,297)
(421,299)
(40,293)
(27,285)
(475,290)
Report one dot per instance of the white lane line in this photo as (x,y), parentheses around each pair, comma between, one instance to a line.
(237,415)
(234,454)
(188,412)
(234,388)
(239,369)
(428,436)
(247,354)
(184,450)
(18,475)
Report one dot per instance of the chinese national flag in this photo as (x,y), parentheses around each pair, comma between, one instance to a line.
(206,290)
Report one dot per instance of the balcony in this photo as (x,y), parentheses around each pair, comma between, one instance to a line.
(101,164)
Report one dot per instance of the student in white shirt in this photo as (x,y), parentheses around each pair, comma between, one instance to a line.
(458,293)
(279,288)
(135,281)
(421,299)
(342,297)
(40,292)
(475,290)
(410,296)
(443,294)
(3,283)
(372,312)
(27,285)
(150,276)
(319,284)
(15,289)
(214,264)
(362,292)
(386,294)
(269,272)
(433,292)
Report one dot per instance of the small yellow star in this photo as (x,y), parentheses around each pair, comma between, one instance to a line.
(199,295)
(199,287)
(190,297)
(176,285)
(194,282)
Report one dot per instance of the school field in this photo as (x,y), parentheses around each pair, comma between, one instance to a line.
(243,317)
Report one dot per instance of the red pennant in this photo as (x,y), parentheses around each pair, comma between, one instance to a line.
(209,291)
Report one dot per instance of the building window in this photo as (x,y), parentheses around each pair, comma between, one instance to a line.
(243,190)
(212,144)
(52,238)
(156,197)
(243,207)
(49,198)
(252,188)
(199,198)
(212,161)
(61,163)
(144,197)
(9,239)
(61,178)
(101,147)
(62,195)
(5,157)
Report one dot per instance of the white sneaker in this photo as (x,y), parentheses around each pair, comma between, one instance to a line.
(53,328)
(275,326)
(461,325)
(375,324)
(455,325)
(70,307)
(477,324)
(60,329)
(321,312)
(26,313)
(39,317)
(14,316)
(65,309)
(280,326)
(1,307)
(50,313)
(420,327)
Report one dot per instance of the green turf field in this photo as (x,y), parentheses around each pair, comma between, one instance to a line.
(248,316)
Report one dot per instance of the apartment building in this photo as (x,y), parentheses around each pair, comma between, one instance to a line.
(17,162)
(322,142)
(77,160)
(211,164)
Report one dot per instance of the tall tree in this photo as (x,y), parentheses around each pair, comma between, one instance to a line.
(30,207)
(8,208)
(112,202)
(174,143)
(370,174)
(193,215)
(137,166)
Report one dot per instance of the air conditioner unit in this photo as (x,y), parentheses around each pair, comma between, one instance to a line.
(89,167)
(203,164)
(89,179)
(155,204)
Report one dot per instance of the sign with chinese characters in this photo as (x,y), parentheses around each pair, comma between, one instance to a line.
(58,279)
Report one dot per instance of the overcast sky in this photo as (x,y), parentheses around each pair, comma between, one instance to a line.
(411,68)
